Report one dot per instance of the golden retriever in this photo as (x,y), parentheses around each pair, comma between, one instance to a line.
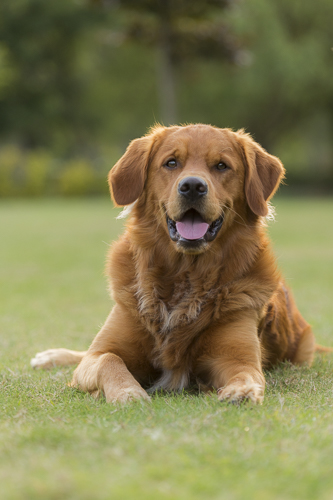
(199,298)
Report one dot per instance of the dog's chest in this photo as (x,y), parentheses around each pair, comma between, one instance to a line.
(185,303)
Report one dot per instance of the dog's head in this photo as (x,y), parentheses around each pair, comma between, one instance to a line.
(196,180)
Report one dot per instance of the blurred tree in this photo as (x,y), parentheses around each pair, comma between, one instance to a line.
(41,89)
(78,80)
(291,76)
(284,95)
(180,30)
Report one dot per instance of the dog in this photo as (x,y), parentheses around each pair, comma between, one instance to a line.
(198,295)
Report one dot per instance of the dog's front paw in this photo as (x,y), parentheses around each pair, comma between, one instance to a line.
(240,390)
(127,394)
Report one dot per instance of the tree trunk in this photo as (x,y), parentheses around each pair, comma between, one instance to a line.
(166,76)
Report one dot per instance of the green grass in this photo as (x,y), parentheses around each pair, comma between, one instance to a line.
(58,443)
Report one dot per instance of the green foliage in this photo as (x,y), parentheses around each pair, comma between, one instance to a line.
(78,77)
(190,28)
(41,44)
(6,72)
(36,173)
(38,164)
(77,178)
(283,94)
(10,160)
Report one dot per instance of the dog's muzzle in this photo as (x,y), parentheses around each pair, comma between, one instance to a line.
(191,230)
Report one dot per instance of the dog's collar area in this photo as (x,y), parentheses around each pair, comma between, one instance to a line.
(205,232)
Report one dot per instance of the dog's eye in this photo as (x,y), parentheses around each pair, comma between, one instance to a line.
(221,166)
(171,164)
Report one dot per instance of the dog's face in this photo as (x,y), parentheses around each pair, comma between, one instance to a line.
(195,180)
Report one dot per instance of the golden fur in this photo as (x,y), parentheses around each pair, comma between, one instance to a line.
(211,312)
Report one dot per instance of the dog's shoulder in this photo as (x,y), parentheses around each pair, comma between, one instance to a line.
(120,270)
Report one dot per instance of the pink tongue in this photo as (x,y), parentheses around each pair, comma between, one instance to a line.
(191,226)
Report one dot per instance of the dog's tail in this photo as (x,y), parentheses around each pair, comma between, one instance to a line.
(322,349)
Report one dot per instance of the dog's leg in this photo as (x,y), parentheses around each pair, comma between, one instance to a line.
(232,362)
(116,359)
(107,373)
(306,348)
(56,357)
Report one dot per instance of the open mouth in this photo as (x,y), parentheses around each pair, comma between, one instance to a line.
(192,228)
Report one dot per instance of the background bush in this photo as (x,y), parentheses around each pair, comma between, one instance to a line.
(36,173)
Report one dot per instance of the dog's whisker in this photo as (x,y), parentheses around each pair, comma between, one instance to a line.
(236,213)
(270,217)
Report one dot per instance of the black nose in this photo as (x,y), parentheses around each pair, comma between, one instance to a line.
(192,188)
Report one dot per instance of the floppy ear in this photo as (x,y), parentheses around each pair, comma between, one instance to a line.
(263,174)
(127,178)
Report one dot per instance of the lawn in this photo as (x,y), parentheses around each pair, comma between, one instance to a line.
(58,443)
